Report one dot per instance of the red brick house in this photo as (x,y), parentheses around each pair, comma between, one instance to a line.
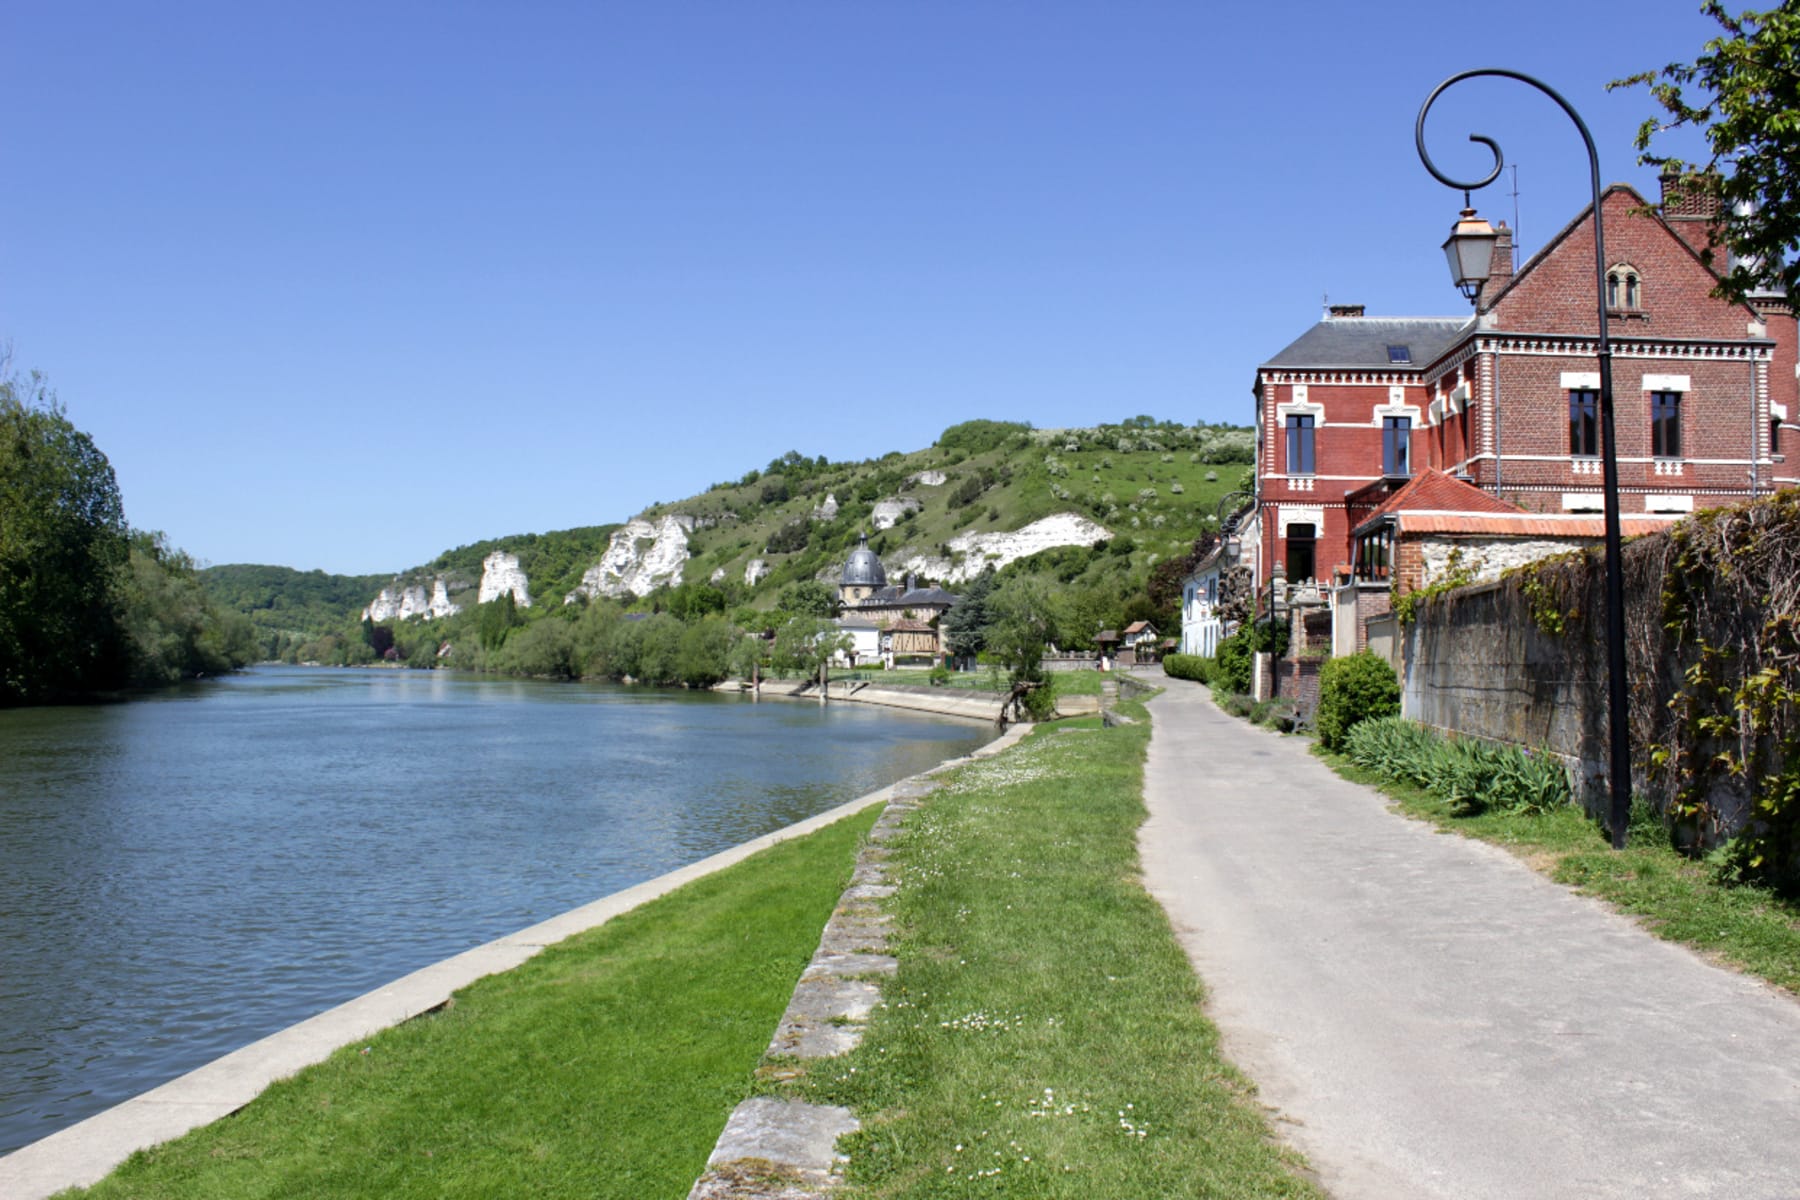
(1705,394)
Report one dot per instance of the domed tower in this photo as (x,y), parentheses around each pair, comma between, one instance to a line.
(863,574)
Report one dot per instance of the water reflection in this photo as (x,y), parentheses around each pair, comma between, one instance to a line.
(181,875)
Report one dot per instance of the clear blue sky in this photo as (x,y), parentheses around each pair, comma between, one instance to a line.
(345,285)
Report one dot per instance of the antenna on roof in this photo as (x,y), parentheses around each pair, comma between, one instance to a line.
(1325,304)
(1515,229)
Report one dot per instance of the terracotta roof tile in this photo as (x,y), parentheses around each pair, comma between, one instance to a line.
(1433,490)
(1521,524)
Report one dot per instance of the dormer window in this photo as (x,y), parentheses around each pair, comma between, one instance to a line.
(1622,288)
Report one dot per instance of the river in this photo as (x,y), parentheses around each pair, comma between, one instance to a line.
(184,874)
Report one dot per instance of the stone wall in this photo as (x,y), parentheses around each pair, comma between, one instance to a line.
(1489,661)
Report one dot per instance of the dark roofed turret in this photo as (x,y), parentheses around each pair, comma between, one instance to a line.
(864,569)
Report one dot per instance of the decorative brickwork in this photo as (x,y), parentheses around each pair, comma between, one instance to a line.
(1488,399)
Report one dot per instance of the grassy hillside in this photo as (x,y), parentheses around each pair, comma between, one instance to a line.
(1153,485)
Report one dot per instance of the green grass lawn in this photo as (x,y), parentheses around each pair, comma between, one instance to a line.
(1673,896)
(604,1067)
(1044,1035)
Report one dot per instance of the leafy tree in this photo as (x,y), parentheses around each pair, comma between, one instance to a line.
(498,618)
(544,648)
(1023,626)
(705,654)
(62,544)
(790,537)
(975,437)
(803,644)
(691,601)
(809,597)
(659,649)
(174,629)
(1743,94)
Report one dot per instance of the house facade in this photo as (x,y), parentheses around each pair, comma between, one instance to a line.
(905,618)
(1507,400)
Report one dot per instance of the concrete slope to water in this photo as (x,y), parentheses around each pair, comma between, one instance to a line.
(1431,1018)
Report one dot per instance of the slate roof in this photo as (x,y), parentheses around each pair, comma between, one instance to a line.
(894,596)
(1362,342)
(863,569)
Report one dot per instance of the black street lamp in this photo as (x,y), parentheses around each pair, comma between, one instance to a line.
(1618,716)
(1228,528)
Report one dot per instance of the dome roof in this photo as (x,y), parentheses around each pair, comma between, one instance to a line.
(864,569)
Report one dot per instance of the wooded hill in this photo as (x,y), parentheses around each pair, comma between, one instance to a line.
(1154,486)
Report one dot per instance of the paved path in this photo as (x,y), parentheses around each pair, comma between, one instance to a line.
(1430,1018)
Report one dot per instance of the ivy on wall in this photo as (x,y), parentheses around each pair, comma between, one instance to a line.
(1731,619)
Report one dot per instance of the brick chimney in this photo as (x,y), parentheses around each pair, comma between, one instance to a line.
(1500,267)
(1337,312)
(1692,211)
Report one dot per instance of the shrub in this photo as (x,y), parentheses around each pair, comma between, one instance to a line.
(1233,663)
(1352,690)
(1040,701)
(939,676)
(1188,666)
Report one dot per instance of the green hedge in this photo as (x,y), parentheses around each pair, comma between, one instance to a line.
(1473,776)
(1188,666)
(1358,688)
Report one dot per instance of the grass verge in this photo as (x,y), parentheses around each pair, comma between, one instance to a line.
(1044,1036)
(1673,896)
(604,1067)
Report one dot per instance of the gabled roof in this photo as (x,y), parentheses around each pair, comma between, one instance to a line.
(1362,342)
(1139,627)
(1433,491)
(1641,207)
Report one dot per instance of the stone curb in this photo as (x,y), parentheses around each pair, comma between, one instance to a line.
(787,1149)
(84,1153)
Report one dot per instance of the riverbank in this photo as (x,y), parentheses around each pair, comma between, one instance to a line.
(938,701)
(83,1153)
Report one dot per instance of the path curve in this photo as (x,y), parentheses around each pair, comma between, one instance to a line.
(1428,1017)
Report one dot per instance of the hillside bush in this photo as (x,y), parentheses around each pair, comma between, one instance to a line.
(1353,689)
(977,437)
(1188,666)
(1472,776)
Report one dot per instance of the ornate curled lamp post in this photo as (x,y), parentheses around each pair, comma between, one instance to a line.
(1469,248)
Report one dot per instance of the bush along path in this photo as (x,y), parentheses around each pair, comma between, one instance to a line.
(1041,1033)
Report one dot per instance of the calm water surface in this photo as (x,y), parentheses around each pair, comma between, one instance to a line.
(180,876)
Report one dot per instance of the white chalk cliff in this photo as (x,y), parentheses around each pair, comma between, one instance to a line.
(887,513)
(927,479)
(827,511)
(500,575)
(971,553)
(398,601)
(641,557)
(756,569)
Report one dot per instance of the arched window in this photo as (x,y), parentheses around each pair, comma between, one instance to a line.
(1622,287)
